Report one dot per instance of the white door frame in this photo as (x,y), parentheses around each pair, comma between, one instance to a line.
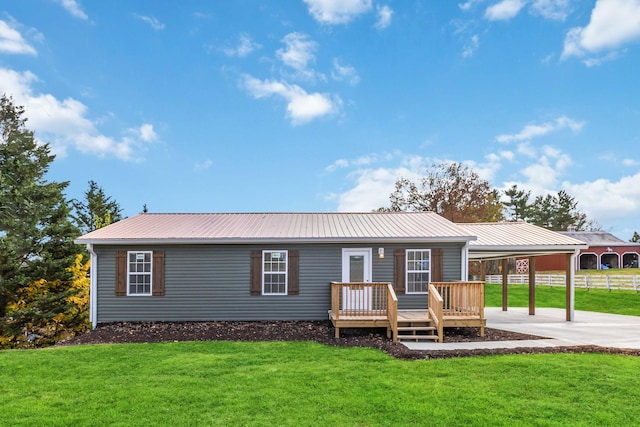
(367,253)
(361,298)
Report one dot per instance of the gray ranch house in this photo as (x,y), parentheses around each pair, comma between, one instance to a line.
(405,271)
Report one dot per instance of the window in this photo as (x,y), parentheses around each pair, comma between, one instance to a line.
(139,268)
(274,272)
(418,270)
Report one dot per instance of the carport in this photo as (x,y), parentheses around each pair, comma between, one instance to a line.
(504,240)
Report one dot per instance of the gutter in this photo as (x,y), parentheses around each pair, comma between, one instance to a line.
(93,286)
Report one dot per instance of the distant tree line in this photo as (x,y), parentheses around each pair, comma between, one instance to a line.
(459,194)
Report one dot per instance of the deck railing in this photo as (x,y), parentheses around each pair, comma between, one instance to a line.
(436,310)
(461,299)
(371,300)
(356,299)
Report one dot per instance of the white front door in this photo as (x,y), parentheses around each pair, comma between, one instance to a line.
(356,268)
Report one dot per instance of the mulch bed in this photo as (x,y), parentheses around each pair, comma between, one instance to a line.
(319,331)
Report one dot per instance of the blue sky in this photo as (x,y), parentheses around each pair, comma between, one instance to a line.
(320,105)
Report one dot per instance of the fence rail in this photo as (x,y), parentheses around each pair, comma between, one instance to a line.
(610,282)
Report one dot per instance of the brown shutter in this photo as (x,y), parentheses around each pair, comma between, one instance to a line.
(436,265)
(256,273)
(157,278)
(293,286)
(121,273)
(399,268)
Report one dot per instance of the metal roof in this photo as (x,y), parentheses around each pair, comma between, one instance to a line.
(509,239)
(598,238)
(279,227)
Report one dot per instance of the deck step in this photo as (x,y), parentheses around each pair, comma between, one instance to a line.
(418,337)
(416,328)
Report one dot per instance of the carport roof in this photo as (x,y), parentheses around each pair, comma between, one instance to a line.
(498,240)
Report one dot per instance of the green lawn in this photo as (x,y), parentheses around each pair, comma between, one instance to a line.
(305,384)
(601,300)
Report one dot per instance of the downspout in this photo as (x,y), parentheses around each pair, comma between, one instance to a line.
(464,268)
(93,286)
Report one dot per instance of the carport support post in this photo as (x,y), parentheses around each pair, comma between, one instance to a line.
(532,286)
(570,286)
(505,280)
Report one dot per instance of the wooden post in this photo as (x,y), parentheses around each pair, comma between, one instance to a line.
(569,287)
(505,279)
(483,271)
(532,286)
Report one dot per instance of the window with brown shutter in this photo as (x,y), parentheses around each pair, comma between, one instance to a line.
(158,274)
(399,265)
(139,273)
(436,265)
(274,271)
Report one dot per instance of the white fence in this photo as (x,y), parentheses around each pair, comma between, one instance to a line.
(619,281)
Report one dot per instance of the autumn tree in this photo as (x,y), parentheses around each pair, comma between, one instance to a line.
(96,209)
(36,232)
(449,189)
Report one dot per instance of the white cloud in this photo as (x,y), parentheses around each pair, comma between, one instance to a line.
(337,11)
(199,166)
(556,10)
(146,133)
(244,48)
(630,162)
(302,107)
(11,41)
(471,47)
(470,4)
(543,176)
(384,17)
(613,24)
(298,52)
(504,10)
(152,21)
(608,201)
(65,124)
(372,189)
(344,73)
(533,131)
(527,149)
(338,164)
(73,8)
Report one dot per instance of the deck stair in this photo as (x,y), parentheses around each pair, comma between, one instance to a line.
(417,331)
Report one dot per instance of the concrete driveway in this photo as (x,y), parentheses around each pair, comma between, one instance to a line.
(589,328)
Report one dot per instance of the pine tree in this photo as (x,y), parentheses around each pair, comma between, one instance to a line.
(96,210)
(36,234)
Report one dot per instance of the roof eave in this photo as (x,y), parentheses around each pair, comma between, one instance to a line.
(248,241)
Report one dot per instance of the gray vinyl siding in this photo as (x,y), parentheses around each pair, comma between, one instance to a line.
(212,282)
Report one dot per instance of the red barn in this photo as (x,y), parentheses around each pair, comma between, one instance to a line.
(605,251)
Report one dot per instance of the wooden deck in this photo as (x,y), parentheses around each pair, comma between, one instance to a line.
(375,305)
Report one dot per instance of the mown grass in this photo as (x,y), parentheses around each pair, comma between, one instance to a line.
(308,384)
(599,300)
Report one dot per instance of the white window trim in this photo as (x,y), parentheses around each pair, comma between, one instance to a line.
(129,294)
(286,273)
(407,271)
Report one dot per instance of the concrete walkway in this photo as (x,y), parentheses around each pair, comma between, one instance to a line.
(589,328)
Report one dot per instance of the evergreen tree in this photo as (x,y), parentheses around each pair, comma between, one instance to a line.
(517,206)
(635,238)
(96,210)
(36,234)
